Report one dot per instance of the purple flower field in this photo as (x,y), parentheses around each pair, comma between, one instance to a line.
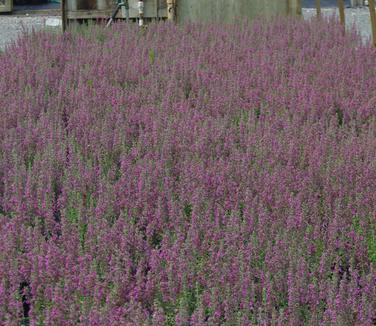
(197,175)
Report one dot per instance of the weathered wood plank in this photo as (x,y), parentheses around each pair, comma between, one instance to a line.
(64,15)
(6,5)
(90,14)
(99,14)
(371,5)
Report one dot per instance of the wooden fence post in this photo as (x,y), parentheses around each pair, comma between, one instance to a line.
(294,7)
(299,7)
(371,5)
(341,7)
(63,15)
(318,8)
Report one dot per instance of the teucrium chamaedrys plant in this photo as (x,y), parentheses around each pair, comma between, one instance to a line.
(188,175)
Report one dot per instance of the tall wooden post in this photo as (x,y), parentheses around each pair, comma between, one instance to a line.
(318,8)
(341,8)
(372,13)
(294,7)
(64,15)
(299,7)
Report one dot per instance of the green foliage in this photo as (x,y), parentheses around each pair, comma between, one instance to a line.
(281,300)
(241,211)
(72,210)
(7,214)
(29,160)
(339,114)
(28,88)
(187,89)
(85,302)
(90,201)
(169,309)
(53,30)
(90,83)
(260,261)
(101,37)
(110,160)
(241,117)
(369,235)
(75,202)
(371,244)
(314,259)
(100,268)
(356,225)
(151,56)
(156,240)
(188,211)
(200,261)
(82,232)
(40,306)
(264,297)
(87,29)
(258,112)
(188,301)
(113,291)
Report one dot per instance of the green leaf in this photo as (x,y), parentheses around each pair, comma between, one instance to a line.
(188,210)
(151,56)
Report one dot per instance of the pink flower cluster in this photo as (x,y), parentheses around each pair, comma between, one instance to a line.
(196,175)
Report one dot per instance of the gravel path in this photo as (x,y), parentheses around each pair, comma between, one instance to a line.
(358,16)
(12,26)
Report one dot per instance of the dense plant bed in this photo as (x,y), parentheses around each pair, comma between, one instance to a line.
(188,176)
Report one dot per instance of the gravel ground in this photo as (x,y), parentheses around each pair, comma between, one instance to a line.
(12,26)
(358,16)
